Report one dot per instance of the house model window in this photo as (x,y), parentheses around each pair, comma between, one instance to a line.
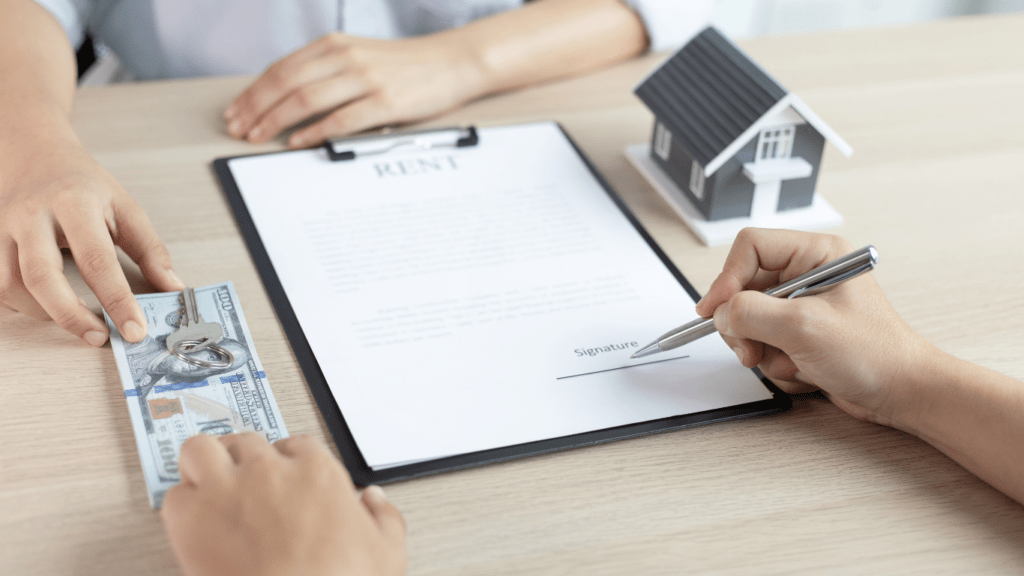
(775,144)
(662,141)
(697,180)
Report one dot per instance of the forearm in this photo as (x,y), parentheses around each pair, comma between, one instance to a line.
(37,79)
(972,414)
(549,39)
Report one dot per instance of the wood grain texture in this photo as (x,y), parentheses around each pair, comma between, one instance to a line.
(936,183)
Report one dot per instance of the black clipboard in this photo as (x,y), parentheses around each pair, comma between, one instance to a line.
(361,473)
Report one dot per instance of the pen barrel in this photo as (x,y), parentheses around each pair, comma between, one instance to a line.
(839,269)
(687,333)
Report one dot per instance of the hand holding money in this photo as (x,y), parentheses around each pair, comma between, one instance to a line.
(246,507)
(214,390)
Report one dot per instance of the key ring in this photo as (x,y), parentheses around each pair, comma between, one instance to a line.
(228,357)
(193,346)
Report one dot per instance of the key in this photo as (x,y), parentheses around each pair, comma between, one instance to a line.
(193,328)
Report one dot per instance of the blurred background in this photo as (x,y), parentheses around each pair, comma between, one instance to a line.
(736,18)
(748,18)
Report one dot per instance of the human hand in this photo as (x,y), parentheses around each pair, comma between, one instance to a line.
(245,507)
(848,342)
(59,197)
(359,83)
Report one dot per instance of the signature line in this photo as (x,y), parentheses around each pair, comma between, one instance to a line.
(623,367)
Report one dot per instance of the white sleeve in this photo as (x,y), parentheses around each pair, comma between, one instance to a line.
(670,23)
(73,15)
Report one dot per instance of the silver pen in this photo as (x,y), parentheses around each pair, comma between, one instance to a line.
(818,280)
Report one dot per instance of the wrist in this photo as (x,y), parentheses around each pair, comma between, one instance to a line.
(30,136)
(22,120)
(913,389)
(464,52)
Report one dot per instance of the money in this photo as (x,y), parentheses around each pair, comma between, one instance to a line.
(170,400)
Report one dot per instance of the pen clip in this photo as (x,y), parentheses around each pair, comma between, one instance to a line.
(829,282)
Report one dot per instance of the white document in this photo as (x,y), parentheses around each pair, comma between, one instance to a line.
(472,298)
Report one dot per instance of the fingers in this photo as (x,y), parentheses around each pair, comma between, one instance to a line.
(763,280)
(139,240)
(42,266)
(782,323)
(773,363)
(13,294)
(306,101)
(777,365)
(385,513)
(317,61)
(786,252)
(203,459)
(93,250)
(177,501)
(747,351)
(247,445)
(357,116)
(796,387)
(295,446)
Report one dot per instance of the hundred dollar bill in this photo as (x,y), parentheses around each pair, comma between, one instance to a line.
(170,400)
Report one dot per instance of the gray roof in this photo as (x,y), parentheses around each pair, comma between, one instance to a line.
(708,94)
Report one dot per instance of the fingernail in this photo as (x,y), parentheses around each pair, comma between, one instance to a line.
(82,302)
(95,338)
(255,133)
(174,278)
(721,317)
(230,112)
(740,354)
(235,127)
(132,331)
(801,378)
(298,141)
(375,493)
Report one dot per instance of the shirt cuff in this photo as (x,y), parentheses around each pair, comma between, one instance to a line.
(670,23)
(72,15)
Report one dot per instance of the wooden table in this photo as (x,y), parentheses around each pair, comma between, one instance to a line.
(934,113)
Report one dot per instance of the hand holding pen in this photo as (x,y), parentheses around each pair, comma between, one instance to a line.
(847,341)
(816,281)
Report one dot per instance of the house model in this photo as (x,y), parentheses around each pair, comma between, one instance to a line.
(731,147)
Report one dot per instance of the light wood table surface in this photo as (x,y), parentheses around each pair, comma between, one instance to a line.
(935,113)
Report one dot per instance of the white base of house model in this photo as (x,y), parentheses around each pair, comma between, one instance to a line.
(820,214)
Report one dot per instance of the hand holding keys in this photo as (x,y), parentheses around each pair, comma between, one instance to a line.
(195,335)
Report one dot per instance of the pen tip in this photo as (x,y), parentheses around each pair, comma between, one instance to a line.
(652,348)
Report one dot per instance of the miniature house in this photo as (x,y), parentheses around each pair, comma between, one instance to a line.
(734,142)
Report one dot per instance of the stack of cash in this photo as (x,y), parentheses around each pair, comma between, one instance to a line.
(170,400)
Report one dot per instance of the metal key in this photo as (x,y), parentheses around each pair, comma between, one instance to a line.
(193,328)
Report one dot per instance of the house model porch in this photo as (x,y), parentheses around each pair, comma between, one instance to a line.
(730,146)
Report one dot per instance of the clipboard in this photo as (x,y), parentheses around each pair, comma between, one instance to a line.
(362,474)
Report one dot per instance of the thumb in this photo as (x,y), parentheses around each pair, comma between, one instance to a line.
(755,316)
(384,512)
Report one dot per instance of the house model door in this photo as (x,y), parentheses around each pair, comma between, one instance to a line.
(772,164)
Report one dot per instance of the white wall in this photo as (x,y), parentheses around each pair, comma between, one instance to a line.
(746,18)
